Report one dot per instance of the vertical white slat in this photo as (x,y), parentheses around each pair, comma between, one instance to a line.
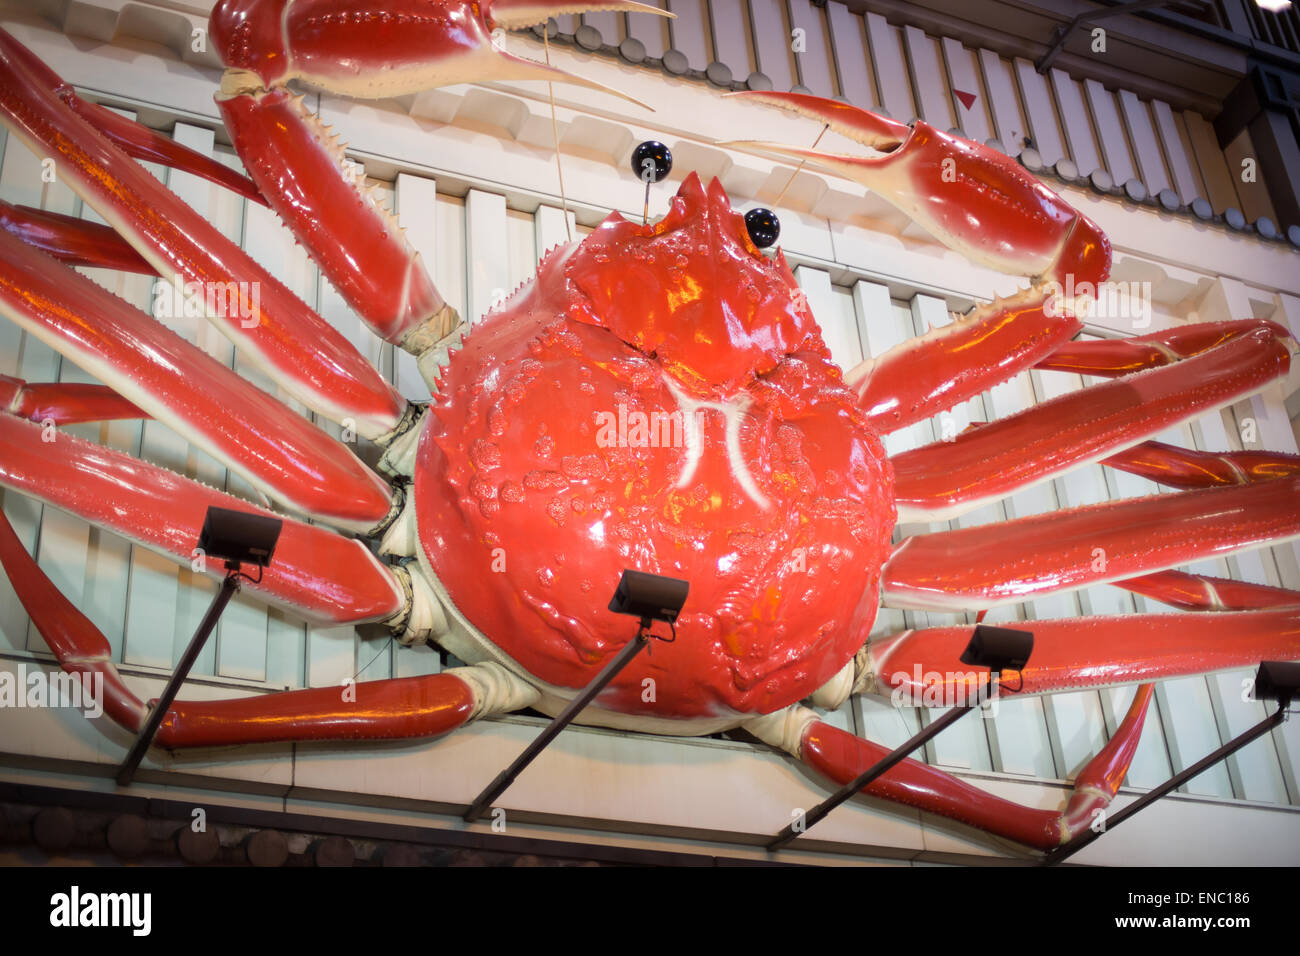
(689,33)
(886,326)
(815,62)
(1110,132)
(933,93)
(1181,168)
(963,71)
(567,22)
(548,225)
(838,330)
(286,642)
(331,656)
(242,638)
(416,661)
(1210,161)
(449,270)
(1004,103)
(730,30)
(487,272)
(772,42)
(1146,149)
(1076,124)
(1043,124)
(849,39)
(416,198)
(651,30)
(890,67)
(521,248)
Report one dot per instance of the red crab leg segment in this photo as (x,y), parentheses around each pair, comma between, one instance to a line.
(1113,357)
(1005,563)
(970,197)
(133,138)
(947,478)
(985,206)
(354,49)
(68,404)
(307,356)
(1072,654)
(319,575)
(1198,592)
(1184,468)
(408,707)
(72,240)
(281,453)
(841,756)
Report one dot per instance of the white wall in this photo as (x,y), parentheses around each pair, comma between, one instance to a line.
(471,172)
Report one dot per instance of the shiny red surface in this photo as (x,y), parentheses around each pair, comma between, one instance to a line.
(1072,654)
(529,521)
(1198,592)
(1188,468)
(1113,357)
(317,574)
(219,411)
(926,376)
(842,757)
(1005,563)
(72,240)
(380,710)
(64,404)
(305,355)
(356,244)
(993,460)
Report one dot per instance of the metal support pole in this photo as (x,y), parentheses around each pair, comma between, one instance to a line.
(506,777)
(126,771)
(819,812)
(1174,782)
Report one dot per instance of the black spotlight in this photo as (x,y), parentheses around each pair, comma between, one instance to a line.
(1279,681)
(998,648)
(239,537)
(764,228)
(651,161)
(650,597)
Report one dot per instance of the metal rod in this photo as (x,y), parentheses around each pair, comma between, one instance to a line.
(1174,782)
(126,771)
(819,812)
(1062,33)
(506,777)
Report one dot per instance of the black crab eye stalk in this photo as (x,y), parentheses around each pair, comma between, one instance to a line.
(763,227)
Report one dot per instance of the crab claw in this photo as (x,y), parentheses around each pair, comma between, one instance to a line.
(972,198)
(407,46)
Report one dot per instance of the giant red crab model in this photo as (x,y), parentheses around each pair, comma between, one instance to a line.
(501,522)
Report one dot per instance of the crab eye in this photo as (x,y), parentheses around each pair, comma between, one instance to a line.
(763,226)
(651,161)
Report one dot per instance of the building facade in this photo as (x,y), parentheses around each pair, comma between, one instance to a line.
(1175,131)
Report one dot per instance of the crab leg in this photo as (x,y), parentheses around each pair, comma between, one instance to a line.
(1198,592)
(384,709)
(133,138)
(64,404)
(281,453)
(1113,357)
(842,756)
(1184,468)
(990,565)
(302,352)
(71,240)
(944,479)
(982,204)
(318,574)
(299,166)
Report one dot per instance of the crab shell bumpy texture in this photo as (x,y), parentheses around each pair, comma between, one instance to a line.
(538,480)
